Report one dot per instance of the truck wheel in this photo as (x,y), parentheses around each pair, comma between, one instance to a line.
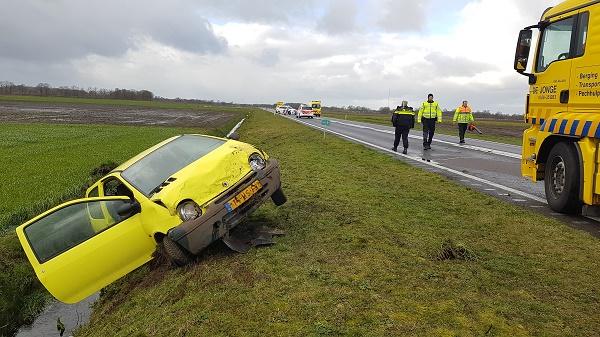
(561,179)
(178,256)
(279,197)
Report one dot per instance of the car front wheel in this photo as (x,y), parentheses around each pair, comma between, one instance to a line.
(561,179)
(177,254)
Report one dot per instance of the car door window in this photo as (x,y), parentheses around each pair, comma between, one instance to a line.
(69,226)
(556,43)
(115,187)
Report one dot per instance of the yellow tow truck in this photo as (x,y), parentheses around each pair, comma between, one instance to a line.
(562,145)
(316,106)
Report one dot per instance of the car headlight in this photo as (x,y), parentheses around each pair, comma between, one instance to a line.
(189,210)
(257,162)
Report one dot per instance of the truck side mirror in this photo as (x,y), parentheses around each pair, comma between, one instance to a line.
(523,49)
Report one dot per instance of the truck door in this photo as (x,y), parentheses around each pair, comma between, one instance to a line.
(552,67)
(73,258)
(585,76)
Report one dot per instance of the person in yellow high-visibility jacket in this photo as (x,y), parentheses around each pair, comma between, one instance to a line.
(429,114)
(463,116)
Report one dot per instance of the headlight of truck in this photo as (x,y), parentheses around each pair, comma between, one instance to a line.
(188,210)
(257,162)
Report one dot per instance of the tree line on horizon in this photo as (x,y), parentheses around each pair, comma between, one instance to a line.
(45,89)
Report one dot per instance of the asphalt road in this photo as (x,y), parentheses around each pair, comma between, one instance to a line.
(489,167)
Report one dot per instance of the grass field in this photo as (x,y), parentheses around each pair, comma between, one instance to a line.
(43,165)
(509,132)
(374,247)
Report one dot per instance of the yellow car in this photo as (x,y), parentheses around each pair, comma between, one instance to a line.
(183,193)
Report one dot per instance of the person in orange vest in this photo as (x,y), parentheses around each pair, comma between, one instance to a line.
(463,116)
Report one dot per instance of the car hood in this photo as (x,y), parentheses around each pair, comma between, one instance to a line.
(208,177)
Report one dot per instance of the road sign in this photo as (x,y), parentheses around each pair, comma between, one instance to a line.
(325,122)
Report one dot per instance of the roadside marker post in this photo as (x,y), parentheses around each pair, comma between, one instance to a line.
(325,122)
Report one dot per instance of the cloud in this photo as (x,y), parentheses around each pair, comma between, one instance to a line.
(445,65)
(268,57)
(339,18)
(262,11)
(68,29)
(344,53)
(404,15)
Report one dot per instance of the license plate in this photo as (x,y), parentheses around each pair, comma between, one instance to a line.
(243,196)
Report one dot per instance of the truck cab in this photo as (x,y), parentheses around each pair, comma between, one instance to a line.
(561,146)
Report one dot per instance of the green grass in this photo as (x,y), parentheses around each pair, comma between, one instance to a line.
(374,247)
(120,103)
(502,131)
(44,165)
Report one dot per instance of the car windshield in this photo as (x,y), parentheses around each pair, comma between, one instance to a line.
(149,172)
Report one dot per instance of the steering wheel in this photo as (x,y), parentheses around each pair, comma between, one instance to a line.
(563,56)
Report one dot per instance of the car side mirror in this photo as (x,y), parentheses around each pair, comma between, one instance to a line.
(234,136)
(129,209)
(523,49)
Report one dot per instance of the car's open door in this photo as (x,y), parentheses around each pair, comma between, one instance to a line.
(73,258)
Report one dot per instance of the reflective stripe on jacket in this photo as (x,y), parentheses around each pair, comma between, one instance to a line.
(404,111)
(430,110)
(463,115)
(404,117)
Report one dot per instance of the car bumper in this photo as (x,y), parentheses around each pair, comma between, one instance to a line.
(197,234)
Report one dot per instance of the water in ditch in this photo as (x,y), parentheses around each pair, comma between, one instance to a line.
(72,316)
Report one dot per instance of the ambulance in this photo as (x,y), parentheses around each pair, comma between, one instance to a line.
(316,106)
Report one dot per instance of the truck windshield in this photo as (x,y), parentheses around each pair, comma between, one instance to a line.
(316,106)
(152,170)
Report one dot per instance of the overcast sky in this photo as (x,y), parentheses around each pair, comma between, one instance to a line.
(344,52)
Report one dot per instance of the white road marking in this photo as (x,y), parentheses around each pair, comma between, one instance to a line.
(519,200)
(432,164)
(236,127)
(471,147)
(491,189)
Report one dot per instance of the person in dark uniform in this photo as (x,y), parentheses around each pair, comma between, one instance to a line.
(403,119)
